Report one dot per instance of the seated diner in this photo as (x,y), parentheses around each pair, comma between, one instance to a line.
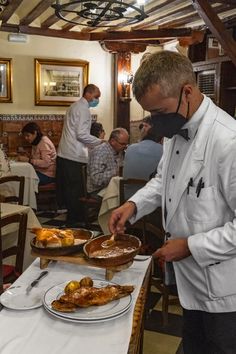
(43,154)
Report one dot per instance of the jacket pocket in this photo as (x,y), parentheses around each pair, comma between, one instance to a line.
(203,208)
(220,279)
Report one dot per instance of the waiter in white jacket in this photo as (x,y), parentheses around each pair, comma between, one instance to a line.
(72,153)
(196,187)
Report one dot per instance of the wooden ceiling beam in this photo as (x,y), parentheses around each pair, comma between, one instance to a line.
(53,18)
(50,21)
(179,22)
(100,36)
(155,10)
(136,35)
(151,11)
(216,27)
(36,12)
(9,10)
(154,21)
(45,32)
(232,2)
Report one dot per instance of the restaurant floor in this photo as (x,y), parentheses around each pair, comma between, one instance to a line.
(157,339)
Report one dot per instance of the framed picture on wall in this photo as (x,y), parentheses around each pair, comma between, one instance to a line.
(59,82)
(5,80)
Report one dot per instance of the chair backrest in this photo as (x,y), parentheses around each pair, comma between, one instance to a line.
(139,183)
(14,250)
(145,224)
(15,198)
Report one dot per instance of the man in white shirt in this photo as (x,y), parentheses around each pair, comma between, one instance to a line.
(196,187)
(73,153)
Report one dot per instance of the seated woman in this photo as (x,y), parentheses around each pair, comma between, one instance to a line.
(43,154)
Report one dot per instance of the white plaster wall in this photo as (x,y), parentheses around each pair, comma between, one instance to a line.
(23,55)
(136,111)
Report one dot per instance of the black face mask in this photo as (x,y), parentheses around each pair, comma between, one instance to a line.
(168,124)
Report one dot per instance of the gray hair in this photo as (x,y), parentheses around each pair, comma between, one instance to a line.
(117,132)
(170,70)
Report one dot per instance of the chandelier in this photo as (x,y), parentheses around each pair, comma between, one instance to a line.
(94,13)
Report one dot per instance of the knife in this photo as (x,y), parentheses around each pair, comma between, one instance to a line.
(35,282)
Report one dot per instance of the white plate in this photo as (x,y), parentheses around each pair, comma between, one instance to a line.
(57,315)
(92,313)
(17,299)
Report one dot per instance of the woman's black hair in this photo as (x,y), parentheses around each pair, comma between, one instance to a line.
(32,128)
(96,129)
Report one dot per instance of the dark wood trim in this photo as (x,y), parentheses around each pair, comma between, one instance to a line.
(155,19)
(135,35)
(100,36)
(217,27)
(9,10)
(36,12)
(193,17)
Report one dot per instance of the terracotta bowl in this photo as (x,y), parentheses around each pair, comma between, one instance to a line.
(127,241)
(61,251)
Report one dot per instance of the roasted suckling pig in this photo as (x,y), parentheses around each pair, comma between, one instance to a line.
(87,295)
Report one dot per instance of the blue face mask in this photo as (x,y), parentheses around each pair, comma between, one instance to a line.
(94,102)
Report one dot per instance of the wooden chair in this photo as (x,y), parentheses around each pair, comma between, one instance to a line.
(19,199)
(144,225)
(91,205)
(9,273)
(46,197)
(150,230)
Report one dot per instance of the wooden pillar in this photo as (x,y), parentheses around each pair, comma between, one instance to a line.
(122,65)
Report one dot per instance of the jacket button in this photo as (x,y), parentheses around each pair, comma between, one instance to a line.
(168,235)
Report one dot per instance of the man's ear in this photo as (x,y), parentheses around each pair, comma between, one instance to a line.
(187,92)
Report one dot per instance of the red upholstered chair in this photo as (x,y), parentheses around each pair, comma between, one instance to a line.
(9,273)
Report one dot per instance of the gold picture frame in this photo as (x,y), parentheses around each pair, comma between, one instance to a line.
(59,82)
(5,80)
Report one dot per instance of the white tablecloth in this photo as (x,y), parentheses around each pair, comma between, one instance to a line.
(37,332)
(110,201)
(9,232)
(31,181)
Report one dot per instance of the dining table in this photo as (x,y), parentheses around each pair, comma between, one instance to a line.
(9,232)
(37,330)
(25,169)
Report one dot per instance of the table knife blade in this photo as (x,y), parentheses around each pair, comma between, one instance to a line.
(35,282)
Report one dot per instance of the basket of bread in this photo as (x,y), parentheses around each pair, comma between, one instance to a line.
(56,242)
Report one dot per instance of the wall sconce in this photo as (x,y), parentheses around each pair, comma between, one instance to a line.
(125,79)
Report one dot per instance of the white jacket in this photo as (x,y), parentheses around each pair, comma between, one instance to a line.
(76,133)
(206,280)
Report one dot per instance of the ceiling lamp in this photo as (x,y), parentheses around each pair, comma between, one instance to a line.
(94,13)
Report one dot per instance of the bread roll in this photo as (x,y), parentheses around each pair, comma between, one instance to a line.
(53,238)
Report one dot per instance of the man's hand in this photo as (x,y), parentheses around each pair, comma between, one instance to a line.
(173,250)
(119,217)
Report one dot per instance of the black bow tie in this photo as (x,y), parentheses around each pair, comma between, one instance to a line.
(184,134)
